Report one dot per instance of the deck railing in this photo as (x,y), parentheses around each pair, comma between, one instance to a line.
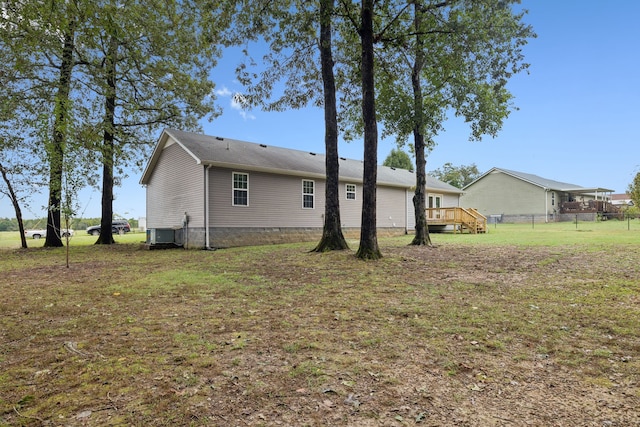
(461,218)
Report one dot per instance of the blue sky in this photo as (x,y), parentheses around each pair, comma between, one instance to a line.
(576,123)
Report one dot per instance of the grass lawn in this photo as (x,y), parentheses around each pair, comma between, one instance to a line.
(520,326)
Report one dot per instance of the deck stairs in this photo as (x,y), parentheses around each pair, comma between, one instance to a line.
(463,219)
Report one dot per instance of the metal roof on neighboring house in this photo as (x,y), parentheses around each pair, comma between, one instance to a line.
(548,184)
(232,153)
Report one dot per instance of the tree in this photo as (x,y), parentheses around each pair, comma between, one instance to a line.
(458,176)
(398,159)
(368,248)
(39,40)
(110,80)
(150,67)
(55,149)
(456,56)
(10,192)
(297,32)
(332,237)
(11,146)
(634,190)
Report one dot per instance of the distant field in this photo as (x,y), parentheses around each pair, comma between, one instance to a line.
(11,239)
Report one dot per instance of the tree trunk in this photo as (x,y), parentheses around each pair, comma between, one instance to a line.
(56,148)
(368,234)
(419,199)
(16,206)
(332,237)
(106,237)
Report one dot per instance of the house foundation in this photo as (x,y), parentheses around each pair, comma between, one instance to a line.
(195,237)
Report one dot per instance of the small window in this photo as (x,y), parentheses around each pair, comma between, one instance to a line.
(351,191)
(308,196)
(240,189)
(553,198)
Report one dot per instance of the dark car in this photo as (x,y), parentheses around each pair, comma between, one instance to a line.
(119,226)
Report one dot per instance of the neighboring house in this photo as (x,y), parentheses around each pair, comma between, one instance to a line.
(621,199)
(509,196)
(204,191)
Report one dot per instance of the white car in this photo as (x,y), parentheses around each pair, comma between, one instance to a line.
(37,234)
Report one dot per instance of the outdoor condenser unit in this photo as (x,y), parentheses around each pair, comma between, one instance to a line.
(161,235)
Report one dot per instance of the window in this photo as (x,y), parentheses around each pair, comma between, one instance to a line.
(240,189)
(553,198)
(351,191)
(308,194)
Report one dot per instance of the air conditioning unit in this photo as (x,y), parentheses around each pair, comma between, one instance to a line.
(159,236)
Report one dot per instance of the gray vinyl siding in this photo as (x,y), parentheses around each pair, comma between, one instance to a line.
(391,203)
(175,187)
(350,210)
(450,201)
(411,214)
(498,193)
(274,201)
(391,211)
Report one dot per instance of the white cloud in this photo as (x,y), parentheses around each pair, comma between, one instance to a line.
(223,91)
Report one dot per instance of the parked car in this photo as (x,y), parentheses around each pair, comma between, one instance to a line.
(37,234)
(117,226)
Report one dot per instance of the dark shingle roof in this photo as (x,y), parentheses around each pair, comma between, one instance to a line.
(225,152)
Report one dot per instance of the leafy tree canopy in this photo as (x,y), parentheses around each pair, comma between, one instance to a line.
(634,190)
(398,159)
(458,176)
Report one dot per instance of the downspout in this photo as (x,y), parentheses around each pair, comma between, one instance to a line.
(206,208)
(406,211)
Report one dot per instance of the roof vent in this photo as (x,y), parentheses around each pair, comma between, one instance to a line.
(312,153)
(263,145)
(219,138)
(392,168)
(343,158)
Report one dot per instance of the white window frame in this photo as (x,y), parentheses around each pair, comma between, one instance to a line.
(312,194)
(234,189)
(348,191)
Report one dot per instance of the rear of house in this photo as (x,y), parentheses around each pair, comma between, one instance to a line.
(205,191)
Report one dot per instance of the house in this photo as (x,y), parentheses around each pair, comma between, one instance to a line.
(205,191)
(621,199)
(511,196)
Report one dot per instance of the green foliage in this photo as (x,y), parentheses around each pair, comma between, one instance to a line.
(288,75)
(54,93)
(634,190)
(631,211)
(398,159)
(458,176)
(463,52)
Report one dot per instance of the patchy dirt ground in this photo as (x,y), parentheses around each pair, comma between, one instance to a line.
(448,336)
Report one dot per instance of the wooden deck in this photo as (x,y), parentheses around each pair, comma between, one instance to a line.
(462,219)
